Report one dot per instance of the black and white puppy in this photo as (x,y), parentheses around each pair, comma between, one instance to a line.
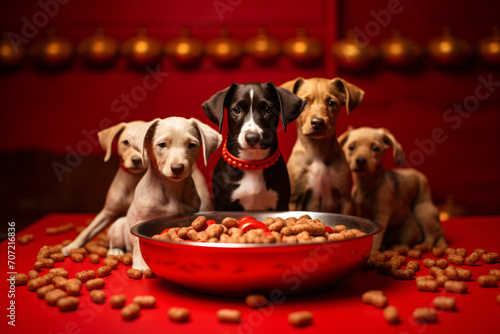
(251,175)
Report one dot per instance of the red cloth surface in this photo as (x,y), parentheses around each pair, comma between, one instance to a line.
(338,309)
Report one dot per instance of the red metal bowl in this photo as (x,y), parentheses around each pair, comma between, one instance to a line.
(240,269)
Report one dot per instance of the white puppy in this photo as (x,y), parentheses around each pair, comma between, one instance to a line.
(121,190)
(172,146)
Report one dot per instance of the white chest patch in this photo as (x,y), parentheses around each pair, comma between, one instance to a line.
(321,182)
(253,193)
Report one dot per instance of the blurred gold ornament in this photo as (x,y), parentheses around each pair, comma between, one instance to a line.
(53,52)
(303,50)
(263,48)
(489,48)
(185,50)
(450,209)
(142,50)
(11,57)
(225,51)
(399,51)
(99,50)
(352,55)
(448,50)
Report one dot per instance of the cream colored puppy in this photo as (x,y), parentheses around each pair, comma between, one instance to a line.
(172,146)
(400,200)
(121,190)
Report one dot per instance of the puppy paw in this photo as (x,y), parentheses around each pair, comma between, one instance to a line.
(141,267)
(65,250)
(115,251)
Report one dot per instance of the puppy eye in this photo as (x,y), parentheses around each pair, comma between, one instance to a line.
(352,147)
(332,103)
(125,142)
(268,109)
(162,145)
(236,110)
(375,148)
(191,145)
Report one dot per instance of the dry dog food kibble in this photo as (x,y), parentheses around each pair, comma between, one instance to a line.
(73,287)
(41,292)
(427,285)
(25,239)
(480,251)
(94,258)
(300,318)
(145,301)
(76,257)
(178,314)
(134,273)
(57,257)
(53,296)
(451,272)
(436,271)
(118,301)
(96,283)
(255,301)
(442,263)
(444,303)
(148,273)
(85,275)
(228,315)
(472,259)
(428,263)
(375,298)
(103,271)
(495,272)
(32,274)
(490,258)
(111,262)
(68,303)
(464,274)
(455,287)
(438,252)
(456,259)
(272,230)
(20,279)
(98,296)
(391,314)
(441,279)
(60,282)
(487,281)
(425,315)
(403,274)
(424,278)
(461,251)
(36,283)
(130,311)
(414,254)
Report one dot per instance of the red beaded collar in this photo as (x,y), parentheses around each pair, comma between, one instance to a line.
(249,165)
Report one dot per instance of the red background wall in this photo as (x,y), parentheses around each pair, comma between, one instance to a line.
(45,115)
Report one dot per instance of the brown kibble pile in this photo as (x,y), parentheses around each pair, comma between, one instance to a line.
(292,230)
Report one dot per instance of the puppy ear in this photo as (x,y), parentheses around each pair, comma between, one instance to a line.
(107,136)
(389,140)
(293,85)
(210,139)
(214,107)
(352,95)
(290,104)
(139,137)
(342,139)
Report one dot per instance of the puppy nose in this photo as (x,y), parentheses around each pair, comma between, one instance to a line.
(136,161)
(252,138)
(317,123)
(177,168)
(360,162)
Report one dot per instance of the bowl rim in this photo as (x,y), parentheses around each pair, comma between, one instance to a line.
(135,230)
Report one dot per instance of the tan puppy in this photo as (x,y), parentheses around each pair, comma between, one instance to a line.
(172,146)
(400,200)
(121,190)
(319,175)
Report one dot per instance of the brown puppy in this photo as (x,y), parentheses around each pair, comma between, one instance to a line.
(319,175)
(400,200)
